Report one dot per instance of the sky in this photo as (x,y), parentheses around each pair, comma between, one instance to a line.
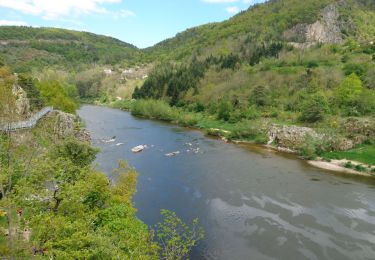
(139,22)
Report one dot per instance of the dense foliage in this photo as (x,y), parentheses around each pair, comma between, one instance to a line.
(55,205)
(26,48)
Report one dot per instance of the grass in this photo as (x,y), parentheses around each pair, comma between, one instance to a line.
(247,130)
(364,154)
(3,238)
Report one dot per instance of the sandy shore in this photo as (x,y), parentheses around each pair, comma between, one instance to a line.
(337,165)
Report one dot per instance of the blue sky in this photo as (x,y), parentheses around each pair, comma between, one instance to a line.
(140,22)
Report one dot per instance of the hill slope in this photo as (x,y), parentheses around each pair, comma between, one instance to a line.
(308,63)
(24,48)
(263,23)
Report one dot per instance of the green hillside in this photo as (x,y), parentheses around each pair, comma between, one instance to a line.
(288,62)
(27,48)
(308,63)
(265,46)
(261,23)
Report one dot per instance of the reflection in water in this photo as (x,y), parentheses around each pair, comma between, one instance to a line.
(253,202)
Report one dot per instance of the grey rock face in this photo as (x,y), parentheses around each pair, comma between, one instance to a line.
(22,102)
(65,124)
(291,137)
(328,29)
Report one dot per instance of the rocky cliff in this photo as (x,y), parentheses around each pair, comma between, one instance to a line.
(22,102)
(327,29)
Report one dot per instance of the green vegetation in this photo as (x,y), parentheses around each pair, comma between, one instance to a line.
(177,237)
(213,125)
(244,74)
(363,153)
(54,204)
(61,97)
(28,48)
(233,79)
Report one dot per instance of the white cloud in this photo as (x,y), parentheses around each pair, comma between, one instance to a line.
(8,22)
(248,2)
(56,9)
(127,13)
(233,9)
(220,1)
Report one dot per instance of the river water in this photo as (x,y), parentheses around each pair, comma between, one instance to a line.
(254,203)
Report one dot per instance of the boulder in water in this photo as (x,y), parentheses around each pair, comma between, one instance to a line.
(139,148)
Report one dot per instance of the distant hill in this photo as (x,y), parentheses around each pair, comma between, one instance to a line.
(271,61)
(25,48)
(264,23)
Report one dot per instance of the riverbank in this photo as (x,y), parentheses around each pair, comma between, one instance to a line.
(311,145)
(344,166)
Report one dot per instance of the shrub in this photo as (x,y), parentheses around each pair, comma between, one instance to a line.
(224,109)
(54,93)
(187,119)
(360,168)
(249,130)
(348,93)
(177,237)
(78,153)
(348,165)
(259,96)
(308,148)
(154,109)
(358,69)
(314,109)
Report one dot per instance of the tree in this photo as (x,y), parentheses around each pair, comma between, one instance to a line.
(223,110)
(54,94)
(10,168)
(314,108)
(259,96)
(27,83)
(349,92)
(177,238)
(81,154)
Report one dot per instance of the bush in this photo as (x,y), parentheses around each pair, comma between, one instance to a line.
(249,130)
(308,149)
(224,110)
(79,153)
(259,96)
(360,168)
(187,119)
(348,165)
(358,69)
(56,94)
(349,92)
(177,237)
(314,109)
(154,109)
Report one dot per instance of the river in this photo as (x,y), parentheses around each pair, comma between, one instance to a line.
(254,203)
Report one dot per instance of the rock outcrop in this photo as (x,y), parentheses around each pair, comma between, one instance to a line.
(328,29)
(291,137)
(294,137)
(64,124)
(22,102)
(360,126)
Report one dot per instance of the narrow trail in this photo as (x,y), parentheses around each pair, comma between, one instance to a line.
(27,124)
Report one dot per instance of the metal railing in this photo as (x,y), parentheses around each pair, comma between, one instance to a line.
(27,124)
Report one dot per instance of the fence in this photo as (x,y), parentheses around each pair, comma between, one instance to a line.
(30,123)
